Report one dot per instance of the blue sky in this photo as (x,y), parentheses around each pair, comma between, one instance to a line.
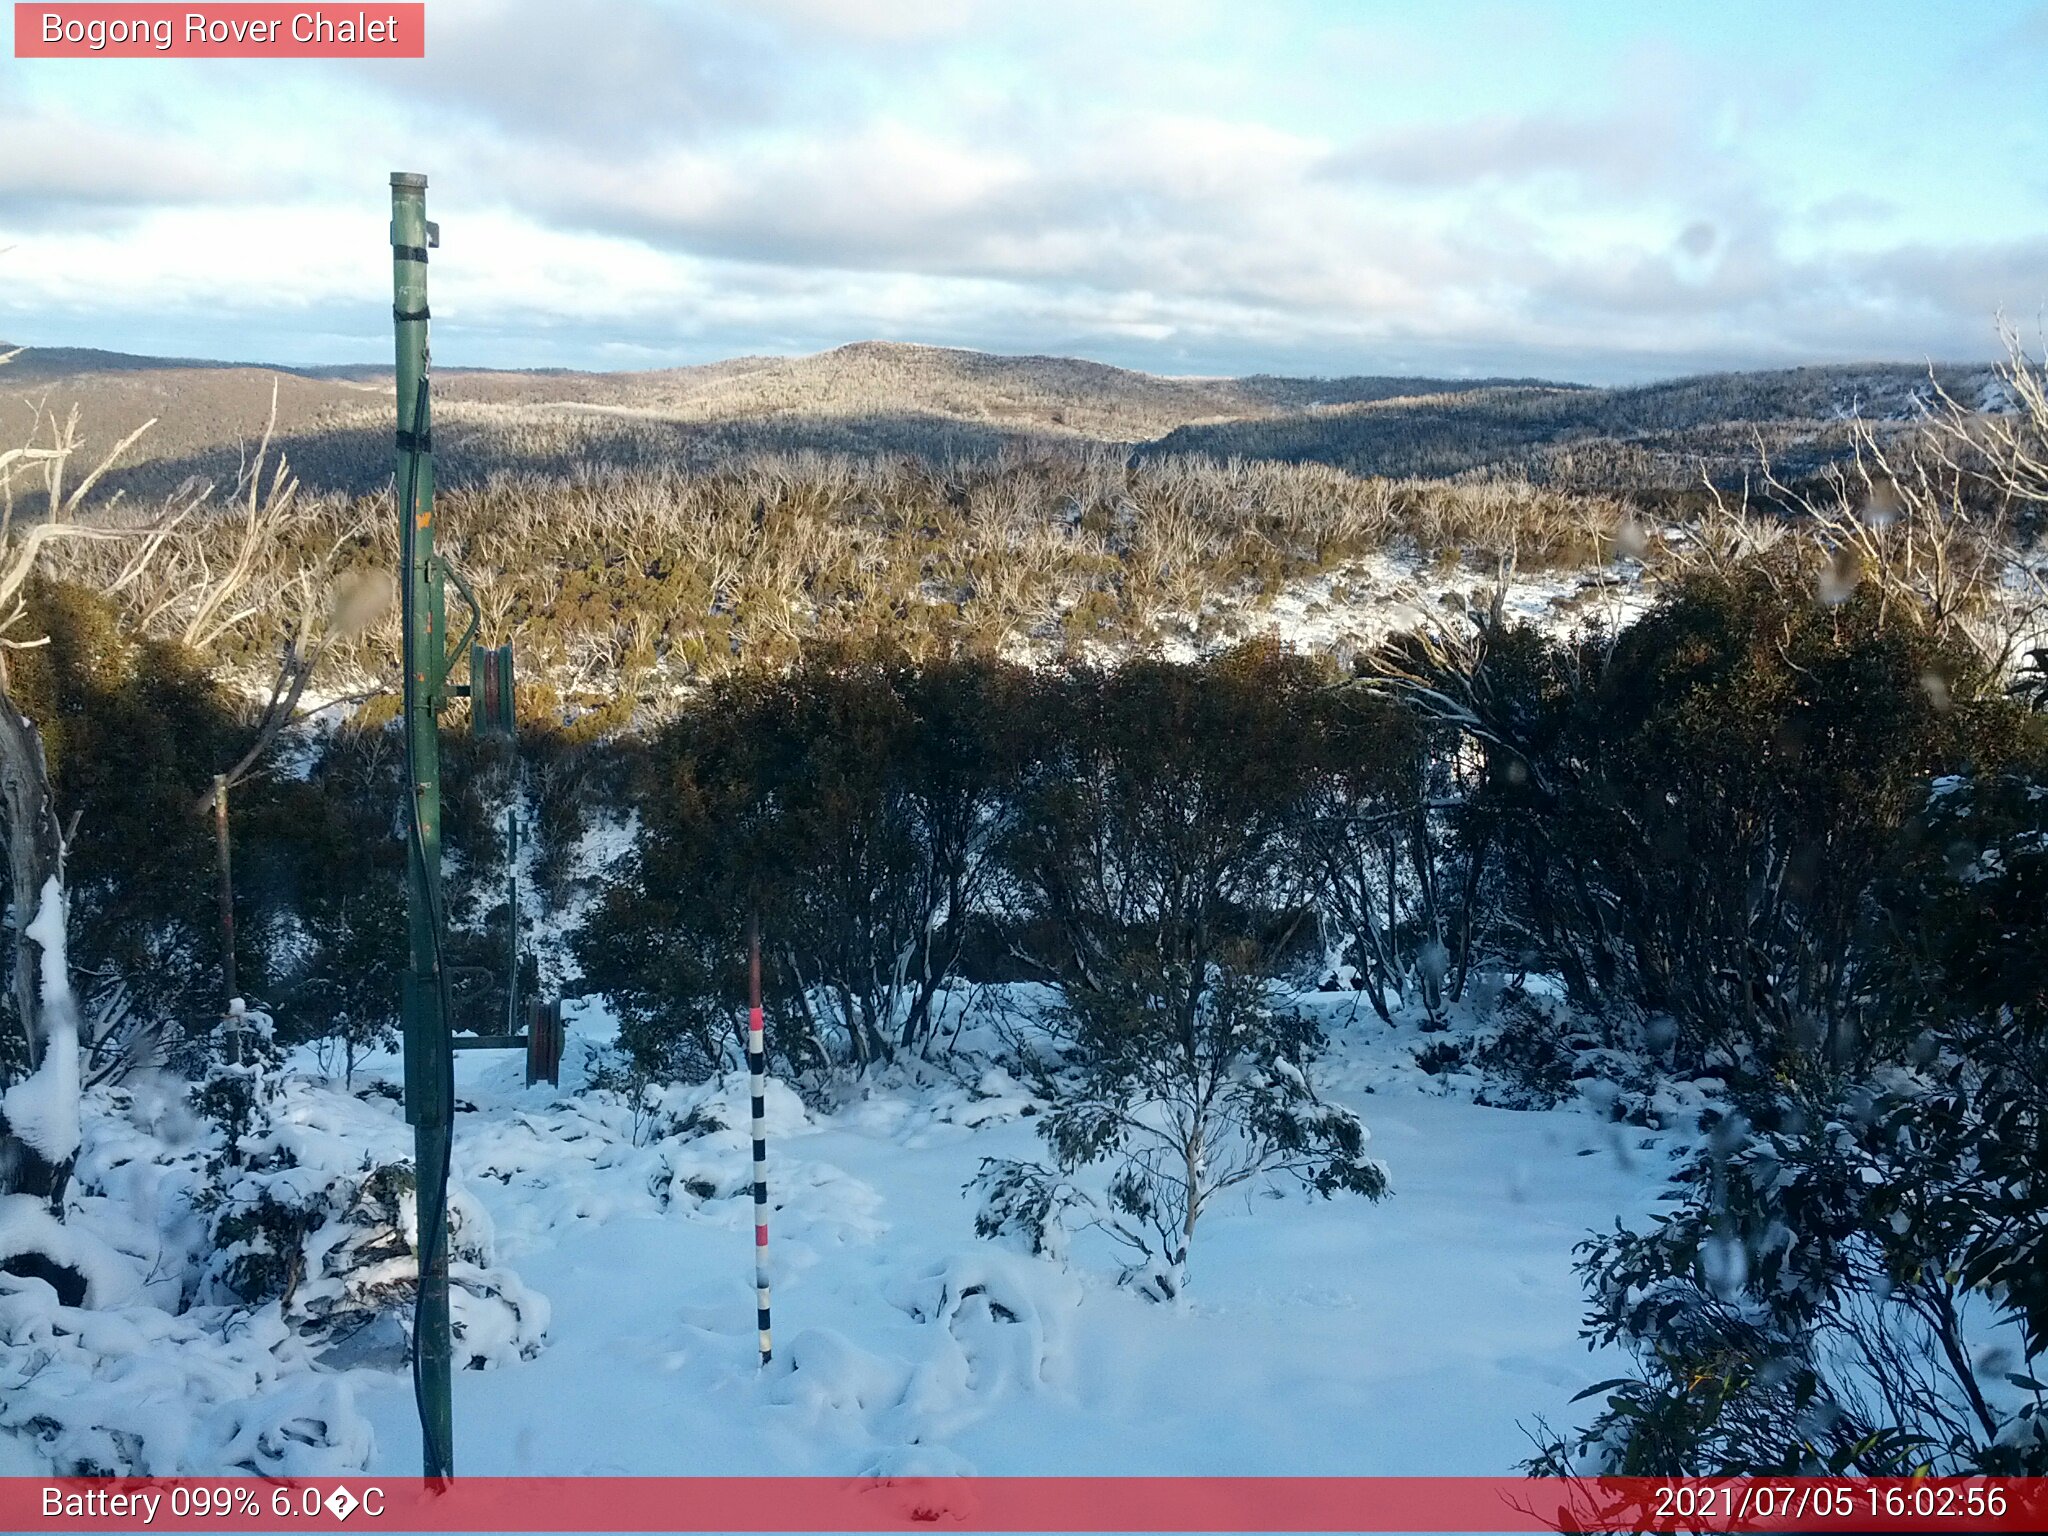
(1602,191)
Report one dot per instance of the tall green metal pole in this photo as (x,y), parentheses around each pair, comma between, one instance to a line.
(428,1048)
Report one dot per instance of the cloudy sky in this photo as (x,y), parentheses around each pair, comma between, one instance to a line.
(1598,190)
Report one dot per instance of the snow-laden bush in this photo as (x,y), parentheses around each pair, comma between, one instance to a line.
(702,1134)
(1009,1320)
(213,1289)
(1853,1277)
(335,1252)
(313,1207)
(79,1268)
(134,1389)
(1833,1296)
(95,1380)
(1176,1110)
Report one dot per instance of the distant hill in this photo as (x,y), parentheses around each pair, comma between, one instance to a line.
(895,398)
(40,365)
(1661,434)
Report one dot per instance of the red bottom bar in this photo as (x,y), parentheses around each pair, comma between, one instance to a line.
(1062,1504)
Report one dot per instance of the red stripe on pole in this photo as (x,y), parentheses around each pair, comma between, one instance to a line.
(1028,1504)
(242,30)
(758,1061)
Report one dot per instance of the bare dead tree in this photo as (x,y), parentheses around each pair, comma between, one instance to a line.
(1932,520)
(35,840)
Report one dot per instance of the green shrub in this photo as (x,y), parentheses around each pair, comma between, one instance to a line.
(1693,813)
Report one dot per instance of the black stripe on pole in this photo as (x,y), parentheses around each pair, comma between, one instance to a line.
(757,1064)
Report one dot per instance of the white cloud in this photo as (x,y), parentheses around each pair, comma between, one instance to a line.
(57,165)
(635,180)
(884,21)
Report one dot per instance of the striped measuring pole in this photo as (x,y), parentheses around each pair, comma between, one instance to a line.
(757,1069)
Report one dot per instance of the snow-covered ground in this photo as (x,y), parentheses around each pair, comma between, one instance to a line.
(1347,611)
(1417,1335)
(1421,1334)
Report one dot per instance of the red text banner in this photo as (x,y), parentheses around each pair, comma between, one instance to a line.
(220,31)
(1060,1504)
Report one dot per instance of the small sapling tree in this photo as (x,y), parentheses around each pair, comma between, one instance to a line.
(1178,1115)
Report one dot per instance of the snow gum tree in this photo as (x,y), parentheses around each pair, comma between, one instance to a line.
(112,674)
(129,725)
(854,804)
(1152,852)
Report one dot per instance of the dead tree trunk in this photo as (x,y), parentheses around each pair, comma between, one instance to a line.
(227,894)
(35,857)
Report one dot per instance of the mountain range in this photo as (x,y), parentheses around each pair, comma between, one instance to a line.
(891,398)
